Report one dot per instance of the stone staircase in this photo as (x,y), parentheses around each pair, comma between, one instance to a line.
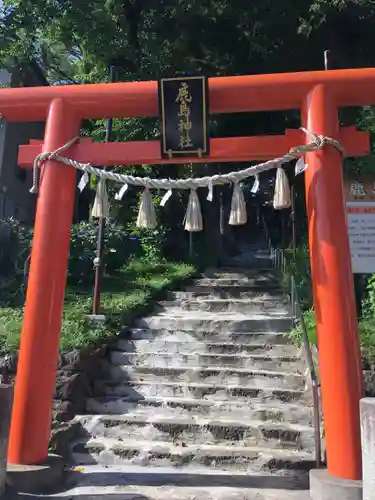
(206,399)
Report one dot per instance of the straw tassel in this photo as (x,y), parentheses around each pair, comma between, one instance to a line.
(238,213)
(281,198)
(146,215)
(101,203)
(193,217)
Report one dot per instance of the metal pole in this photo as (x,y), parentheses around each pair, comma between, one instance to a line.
(293,216)
(191,246)
(327,60)
(98,262)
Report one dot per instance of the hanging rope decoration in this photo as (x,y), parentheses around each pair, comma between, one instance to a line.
(193,219)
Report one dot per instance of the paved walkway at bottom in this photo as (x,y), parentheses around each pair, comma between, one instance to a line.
(112,483)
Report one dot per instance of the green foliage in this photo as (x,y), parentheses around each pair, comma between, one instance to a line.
(125,295)
(366,325)
(368,307)
(298,265)
(152,242)
(15,243)
(79,40)
(296,334)
(118,247)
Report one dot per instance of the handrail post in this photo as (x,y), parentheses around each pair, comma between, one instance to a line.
(297,314)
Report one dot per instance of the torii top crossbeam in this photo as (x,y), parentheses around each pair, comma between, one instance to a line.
(351,87)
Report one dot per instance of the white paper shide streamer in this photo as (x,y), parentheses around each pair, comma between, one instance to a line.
(146,215)
(193,218)
(238,213)
(256,185)
(281,198)
(101,203)
(300,167)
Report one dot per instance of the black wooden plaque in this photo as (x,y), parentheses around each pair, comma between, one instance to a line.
(184,115)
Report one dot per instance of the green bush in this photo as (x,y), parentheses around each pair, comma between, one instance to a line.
(151,241)
(367,323)
(296,334)
(299,266)
(15,242)
(368,305)
(119,245)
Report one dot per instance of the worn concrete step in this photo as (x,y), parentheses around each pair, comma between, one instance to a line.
(186,407)
(169,345)
(199,430)
(216,322)
(248,307)
(212,375)
(229,293)
(234,278)
(143,492)
(240,262)
(209,338)
(204,360)
(149,453)
(132,482)
(241,273)
(256,283)
(213,391)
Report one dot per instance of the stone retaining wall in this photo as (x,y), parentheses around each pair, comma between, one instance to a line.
(79,375)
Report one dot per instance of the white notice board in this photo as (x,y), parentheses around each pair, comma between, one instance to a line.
(361,228)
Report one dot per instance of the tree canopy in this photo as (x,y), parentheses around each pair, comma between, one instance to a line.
(76,41)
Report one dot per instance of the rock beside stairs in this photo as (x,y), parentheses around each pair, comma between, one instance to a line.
(206,400)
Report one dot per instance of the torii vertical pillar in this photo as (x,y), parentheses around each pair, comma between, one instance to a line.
(36,374)
(337,329)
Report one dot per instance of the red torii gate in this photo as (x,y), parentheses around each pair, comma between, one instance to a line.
(318,95)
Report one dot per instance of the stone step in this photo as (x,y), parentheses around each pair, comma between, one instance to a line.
(170,360)
(231,293)
(241,273)
(240,262)
(199,430)
(219,322)
(200,390)
(148,453)
(249,307)
(234,290)
(213,375)
(133,482)
(260,338)
(143,492)
(186,407)
(256,281)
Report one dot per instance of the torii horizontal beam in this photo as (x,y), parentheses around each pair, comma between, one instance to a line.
(230,94)
(230,149)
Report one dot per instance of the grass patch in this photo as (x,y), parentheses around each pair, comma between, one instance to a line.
(126,295)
